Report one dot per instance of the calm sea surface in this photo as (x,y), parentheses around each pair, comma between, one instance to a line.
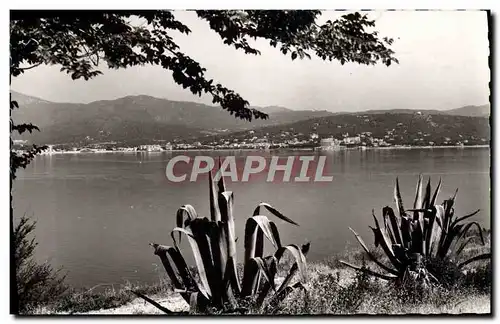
(96,213)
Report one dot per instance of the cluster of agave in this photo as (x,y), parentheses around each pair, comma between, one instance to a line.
(215,284)
(419,235)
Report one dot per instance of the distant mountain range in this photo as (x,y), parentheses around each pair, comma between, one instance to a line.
(145,119)
(472,111)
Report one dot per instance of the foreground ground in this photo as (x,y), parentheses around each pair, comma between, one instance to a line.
(479,304)
(331,290)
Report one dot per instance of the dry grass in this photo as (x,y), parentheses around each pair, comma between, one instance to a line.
(344,292)
(331,289)
(102,297)
(335,291)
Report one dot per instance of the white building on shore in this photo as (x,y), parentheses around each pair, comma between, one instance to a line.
(330,144)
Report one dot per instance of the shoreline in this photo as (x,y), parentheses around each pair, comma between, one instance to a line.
(312,149)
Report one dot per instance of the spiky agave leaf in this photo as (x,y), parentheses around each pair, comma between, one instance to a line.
(300,258)
(483,256)
(253,269)
(406,231)
(231,283)
(285,287)
(388,229)
(278,297)
(418,194)
(221,184)
(214,199)
(434,230)
(418,239)
(198,257)
(172,271)
(185,214)
(255,229)
(468,226)
(273,211)
(371,256)
(226,201)
(456,221)
(286,282)
(448,213)
(436,193)
(458,243)
(213,245)
(427,195)
(368,271)
(193,303)
(152,302)
(395,224)
(463,245)
(429,222)
(382,239)
(208,237)
(177,269)
(271,264)
(399,201)
(417,215)
(254,226)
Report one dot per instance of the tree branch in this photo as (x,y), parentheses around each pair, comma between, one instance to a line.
(30,67)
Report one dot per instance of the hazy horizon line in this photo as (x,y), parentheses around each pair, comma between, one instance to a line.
(250,106)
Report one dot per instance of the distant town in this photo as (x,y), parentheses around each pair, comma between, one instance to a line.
(287,140)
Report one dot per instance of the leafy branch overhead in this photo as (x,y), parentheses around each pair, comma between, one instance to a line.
(79,41)
(23,159)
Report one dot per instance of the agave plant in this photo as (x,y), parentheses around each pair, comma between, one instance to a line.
(419,235)
(215,284)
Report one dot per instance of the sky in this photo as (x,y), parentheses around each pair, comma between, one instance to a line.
(443,59)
